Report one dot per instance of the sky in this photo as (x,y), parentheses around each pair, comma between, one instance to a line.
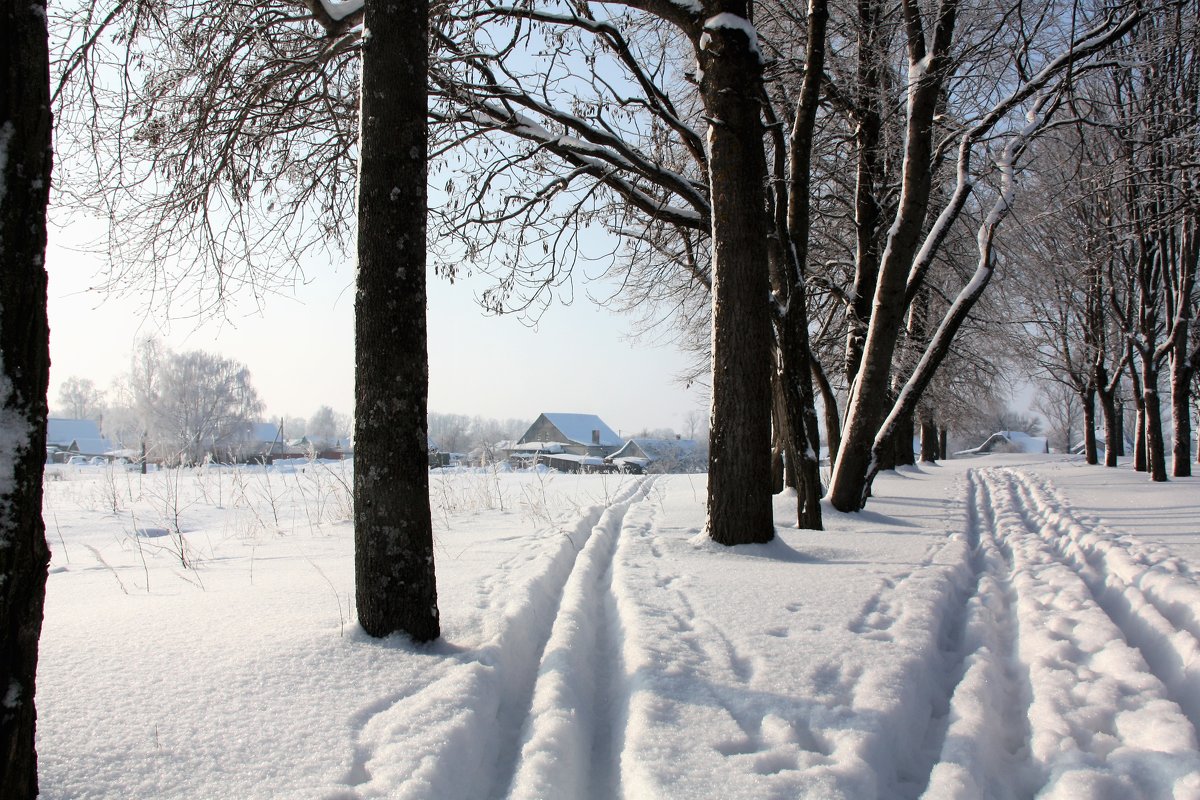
(300,349)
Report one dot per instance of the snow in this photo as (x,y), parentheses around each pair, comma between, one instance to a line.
(996,627)
(340,9)
(729,21)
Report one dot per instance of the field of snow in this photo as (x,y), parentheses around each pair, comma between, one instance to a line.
(996,627)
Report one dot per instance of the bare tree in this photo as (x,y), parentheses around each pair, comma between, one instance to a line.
(193,404)
(25,164)
(78,398)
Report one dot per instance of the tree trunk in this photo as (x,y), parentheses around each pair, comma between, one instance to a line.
(867,405)
(1088,399)
(930,452)
(24,373)
(903,441)
(393,535)
(739,469)
(1112,427)
(1156,458)
(829,409)
(1181,411)
(779,439)
(1139,406)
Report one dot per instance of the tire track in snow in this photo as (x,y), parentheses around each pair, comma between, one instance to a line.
(1100,722)
(1157,610)
(574,724)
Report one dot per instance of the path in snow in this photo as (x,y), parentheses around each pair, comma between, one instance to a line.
(1078,651)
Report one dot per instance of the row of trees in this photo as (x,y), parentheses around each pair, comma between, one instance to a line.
(818,186)
(1113,236)
(811,199)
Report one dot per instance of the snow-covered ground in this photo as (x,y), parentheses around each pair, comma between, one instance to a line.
(998,627)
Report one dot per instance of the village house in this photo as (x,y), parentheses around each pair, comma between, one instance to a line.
(568,442)
(75,437)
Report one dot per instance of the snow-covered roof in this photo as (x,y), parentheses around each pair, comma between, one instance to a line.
(61,431)
(1017,440)
(538,447)
(577,428)
(263,432)
(654,449)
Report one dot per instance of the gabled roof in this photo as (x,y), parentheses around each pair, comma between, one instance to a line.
(62,431)
(577,428)
(655,449)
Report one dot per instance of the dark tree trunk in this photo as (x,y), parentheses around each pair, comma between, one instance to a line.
(796,373)
(829,409)
(1181,411)
(1156,458)
(903,441)
(1120,411)
(1112,427)
(24,373)
(393,534)
(930,452)
(869,179)
(739,469)
(1088,399)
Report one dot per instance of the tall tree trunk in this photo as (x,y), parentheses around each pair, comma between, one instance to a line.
(867,405)
(1112,427)
(739,473)
(24,373)
(903,441)
(1181,411)
(869,179)
(943,434)
(1139,406)
(1088,399)
(393,534)
(796,375)
(829,409)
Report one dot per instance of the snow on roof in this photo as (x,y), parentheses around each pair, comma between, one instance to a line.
(577,428)
(658,448)
(93,446)
(263,431)
(62,432)
(538,447)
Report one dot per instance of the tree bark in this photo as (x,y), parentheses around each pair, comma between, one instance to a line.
(930,452)
(829,409)
(903,441)
(1112,427)
(1156,459)
(867,405)
(1087,398)
(393,534)
(25,126)
(739,473)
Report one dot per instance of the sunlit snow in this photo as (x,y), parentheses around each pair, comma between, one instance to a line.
(996,627)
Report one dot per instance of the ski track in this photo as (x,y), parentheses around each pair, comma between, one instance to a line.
(574,721)
(1054,659)
(500,677)
(1080,645)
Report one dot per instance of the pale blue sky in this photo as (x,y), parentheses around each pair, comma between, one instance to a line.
(301,350)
